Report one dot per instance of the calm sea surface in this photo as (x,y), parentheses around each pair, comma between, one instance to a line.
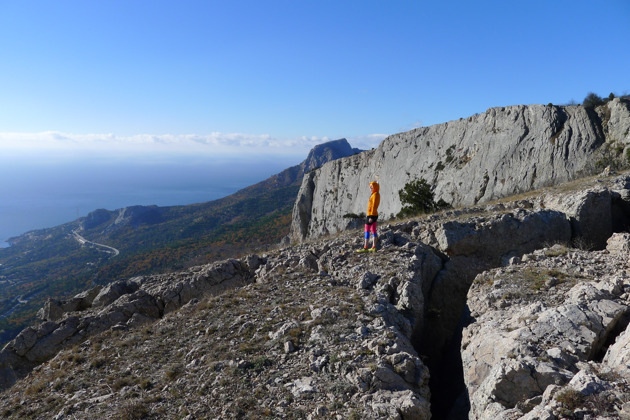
(39,195)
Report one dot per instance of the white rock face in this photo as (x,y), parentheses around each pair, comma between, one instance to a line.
(501,152)
(540,327)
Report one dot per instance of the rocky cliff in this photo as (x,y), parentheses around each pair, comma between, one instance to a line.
(485,312)
(501,152)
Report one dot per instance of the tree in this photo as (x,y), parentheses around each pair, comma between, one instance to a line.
(592,100)
(417,198)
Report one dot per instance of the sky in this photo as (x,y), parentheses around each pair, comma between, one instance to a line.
(151,78)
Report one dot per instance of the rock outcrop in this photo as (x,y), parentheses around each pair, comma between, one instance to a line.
(543,329)
(327,152)
(502,152)
(121,304)
(317,330)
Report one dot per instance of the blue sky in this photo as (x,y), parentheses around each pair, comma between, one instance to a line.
(277,77)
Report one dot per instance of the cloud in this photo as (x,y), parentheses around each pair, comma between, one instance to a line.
(216,144)
(366,142)
(146,143)
(413,125)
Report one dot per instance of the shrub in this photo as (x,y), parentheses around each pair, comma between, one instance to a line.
(417,198)
(133,410)
(592,100)
(570,398)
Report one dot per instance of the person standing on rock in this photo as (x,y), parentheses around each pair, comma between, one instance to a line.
(372,216)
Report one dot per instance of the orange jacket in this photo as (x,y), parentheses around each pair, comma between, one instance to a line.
(375,200)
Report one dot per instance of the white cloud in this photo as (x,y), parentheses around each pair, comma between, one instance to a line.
(413,125)
(366,142)
(213,144)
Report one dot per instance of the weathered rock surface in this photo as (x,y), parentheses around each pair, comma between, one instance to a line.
(548,321)
(121,303)
(501,152)
(317,330)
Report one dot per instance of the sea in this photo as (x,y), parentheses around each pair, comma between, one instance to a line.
(37,194)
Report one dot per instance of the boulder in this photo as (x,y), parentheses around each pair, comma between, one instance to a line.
(113,291)
(590,213)
(54,309)
(618,355)
(619,243)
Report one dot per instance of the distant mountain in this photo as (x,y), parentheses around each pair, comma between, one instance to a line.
(110,244)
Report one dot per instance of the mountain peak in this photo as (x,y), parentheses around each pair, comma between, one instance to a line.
(327,152)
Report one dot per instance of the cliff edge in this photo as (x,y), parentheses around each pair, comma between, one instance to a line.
(502,152)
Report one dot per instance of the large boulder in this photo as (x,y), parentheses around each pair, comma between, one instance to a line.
(590,213)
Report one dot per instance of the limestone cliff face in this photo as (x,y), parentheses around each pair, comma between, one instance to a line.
(501,152)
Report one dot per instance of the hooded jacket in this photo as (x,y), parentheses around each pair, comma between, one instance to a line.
(375,200)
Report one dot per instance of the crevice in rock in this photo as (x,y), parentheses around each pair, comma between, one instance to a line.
(439,342)
(620,211)
(440,349)
(449,398)
(597,126)
(558,125)
(619,327)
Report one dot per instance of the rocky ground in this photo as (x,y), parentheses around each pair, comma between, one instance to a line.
(545,340)
(319,331)
(314,336)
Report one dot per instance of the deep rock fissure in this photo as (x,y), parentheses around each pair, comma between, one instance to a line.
(619,327)
(441,351)
(449,397)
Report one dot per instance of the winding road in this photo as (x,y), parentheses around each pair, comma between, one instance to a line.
(84,241)
(20,300)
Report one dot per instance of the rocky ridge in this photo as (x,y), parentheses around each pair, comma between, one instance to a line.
(499,153)
(318,331)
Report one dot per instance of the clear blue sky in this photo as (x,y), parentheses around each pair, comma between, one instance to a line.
(284,75)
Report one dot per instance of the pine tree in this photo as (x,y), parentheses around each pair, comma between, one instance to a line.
(417,198)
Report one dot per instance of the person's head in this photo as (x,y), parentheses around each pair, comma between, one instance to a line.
(374,186)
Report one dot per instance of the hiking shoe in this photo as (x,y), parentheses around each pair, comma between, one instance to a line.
(362,250)
(372,250)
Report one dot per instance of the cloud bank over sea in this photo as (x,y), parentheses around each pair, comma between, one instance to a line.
(216,144)
(57,177)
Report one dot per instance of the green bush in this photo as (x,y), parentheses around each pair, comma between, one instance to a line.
(570,399)
(592,100)
(417,198)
